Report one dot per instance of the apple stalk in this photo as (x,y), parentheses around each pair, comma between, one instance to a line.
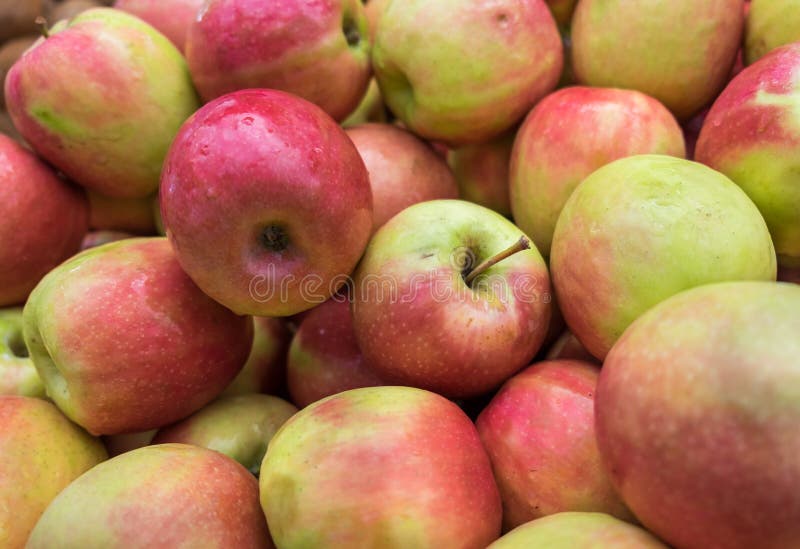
(522,244)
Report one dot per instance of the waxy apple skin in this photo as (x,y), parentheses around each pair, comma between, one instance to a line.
(124,341)
(18,375)
(170,495)
(752,135)
(41,452)
(680,52)
(380,467)
(697,411)
(257,161)
(644,228)
(316,50)
(515,58)
(171,17)
(770,24)
(42,221)
(570,134)
(107,124)
(416,320)
(539,433)
(265,369)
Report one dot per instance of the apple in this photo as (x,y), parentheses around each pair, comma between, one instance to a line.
(482,172)
(770,24)
(380,467)
(373,9)
(465,72)
(98,238)
(120,444)
(239,427)
(42,221)
(570,134)
(427,312)
(696,414)
(41,452)
(752,135)
(403,169)
(9,53)
(125,342)
(266,202)
(568,347)
(18,375)
(539,433)
(171,17)
(573,530)
(316,50)
(101,98)
(324,358)
(131,215)
(167,495)
(644,228)
(371,108)
(680,52)
(265,369)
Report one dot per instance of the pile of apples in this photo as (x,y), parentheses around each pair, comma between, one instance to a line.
(401,273)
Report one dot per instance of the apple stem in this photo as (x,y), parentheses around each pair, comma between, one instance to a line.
(522,244)
(45,29)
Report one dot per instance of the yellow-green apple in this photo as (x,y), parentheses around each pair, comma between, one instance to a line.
(316,50)
(371,108)
(98,238)
(239,427)
(131,215)
(752,135)
(324,358)
(171,17)
(539,433)
(373,9)
(101,98)
(568,347)
(680,52)
(124,341)
(18,375)
(432,310)
(169,495)
(770,24)
(119,444)
(644,228)
(570,134)
(403,169)
(576,530)
(482,172)
(441,93)
(265,369)
(42,221)
(380,467)
(562,11)
(697,411)
(266,202)
(41,452)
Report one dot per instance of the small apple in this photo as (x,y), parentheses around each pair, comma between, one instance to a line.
(371,108)
(482,172)
(120,444)
(568,347)
(131,215)
(18,375)
(770,24)
(265,369)
(171,17)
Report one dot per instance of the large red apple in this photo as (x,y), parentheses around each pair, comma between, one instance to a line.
(171,17)
(266,202)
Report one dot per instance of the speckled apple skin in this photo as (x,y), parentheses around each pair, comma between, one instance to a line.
(107,123)
(170,17)
(697,408)
(124,341)
(42,221)
(770,24)
(390,467)
(259,158)
(752,135)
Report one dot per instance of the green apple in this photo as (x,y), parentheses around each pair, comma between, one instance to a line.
(770,24)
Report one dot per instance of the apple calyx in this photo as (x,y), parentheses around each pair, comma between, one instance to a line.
(274,238)
(351,32)
(522,244)
(41,21)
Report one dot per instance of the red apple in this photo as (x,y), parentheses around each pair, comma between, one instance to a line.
(569,347)
(482,172)
(171,17)
(265,369)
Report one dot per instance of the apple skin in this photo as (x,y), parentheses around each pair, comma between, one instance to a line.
(316,50)
(41,452)
(43,221)
(98,238)
(239,427)
(416,321)
(18,375)
(173,495)
(568,347)
(770,24)
(482,172)
(170,17)
(403,169)
(697,407)
(573,530)
(265,369)
(515,58)
(262,159)
(119,369)
(131,215)
(539,433)
(371,108)
(380,467)
(628,238)
(324,358)
(623,44)
(570,134)
(752,135)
